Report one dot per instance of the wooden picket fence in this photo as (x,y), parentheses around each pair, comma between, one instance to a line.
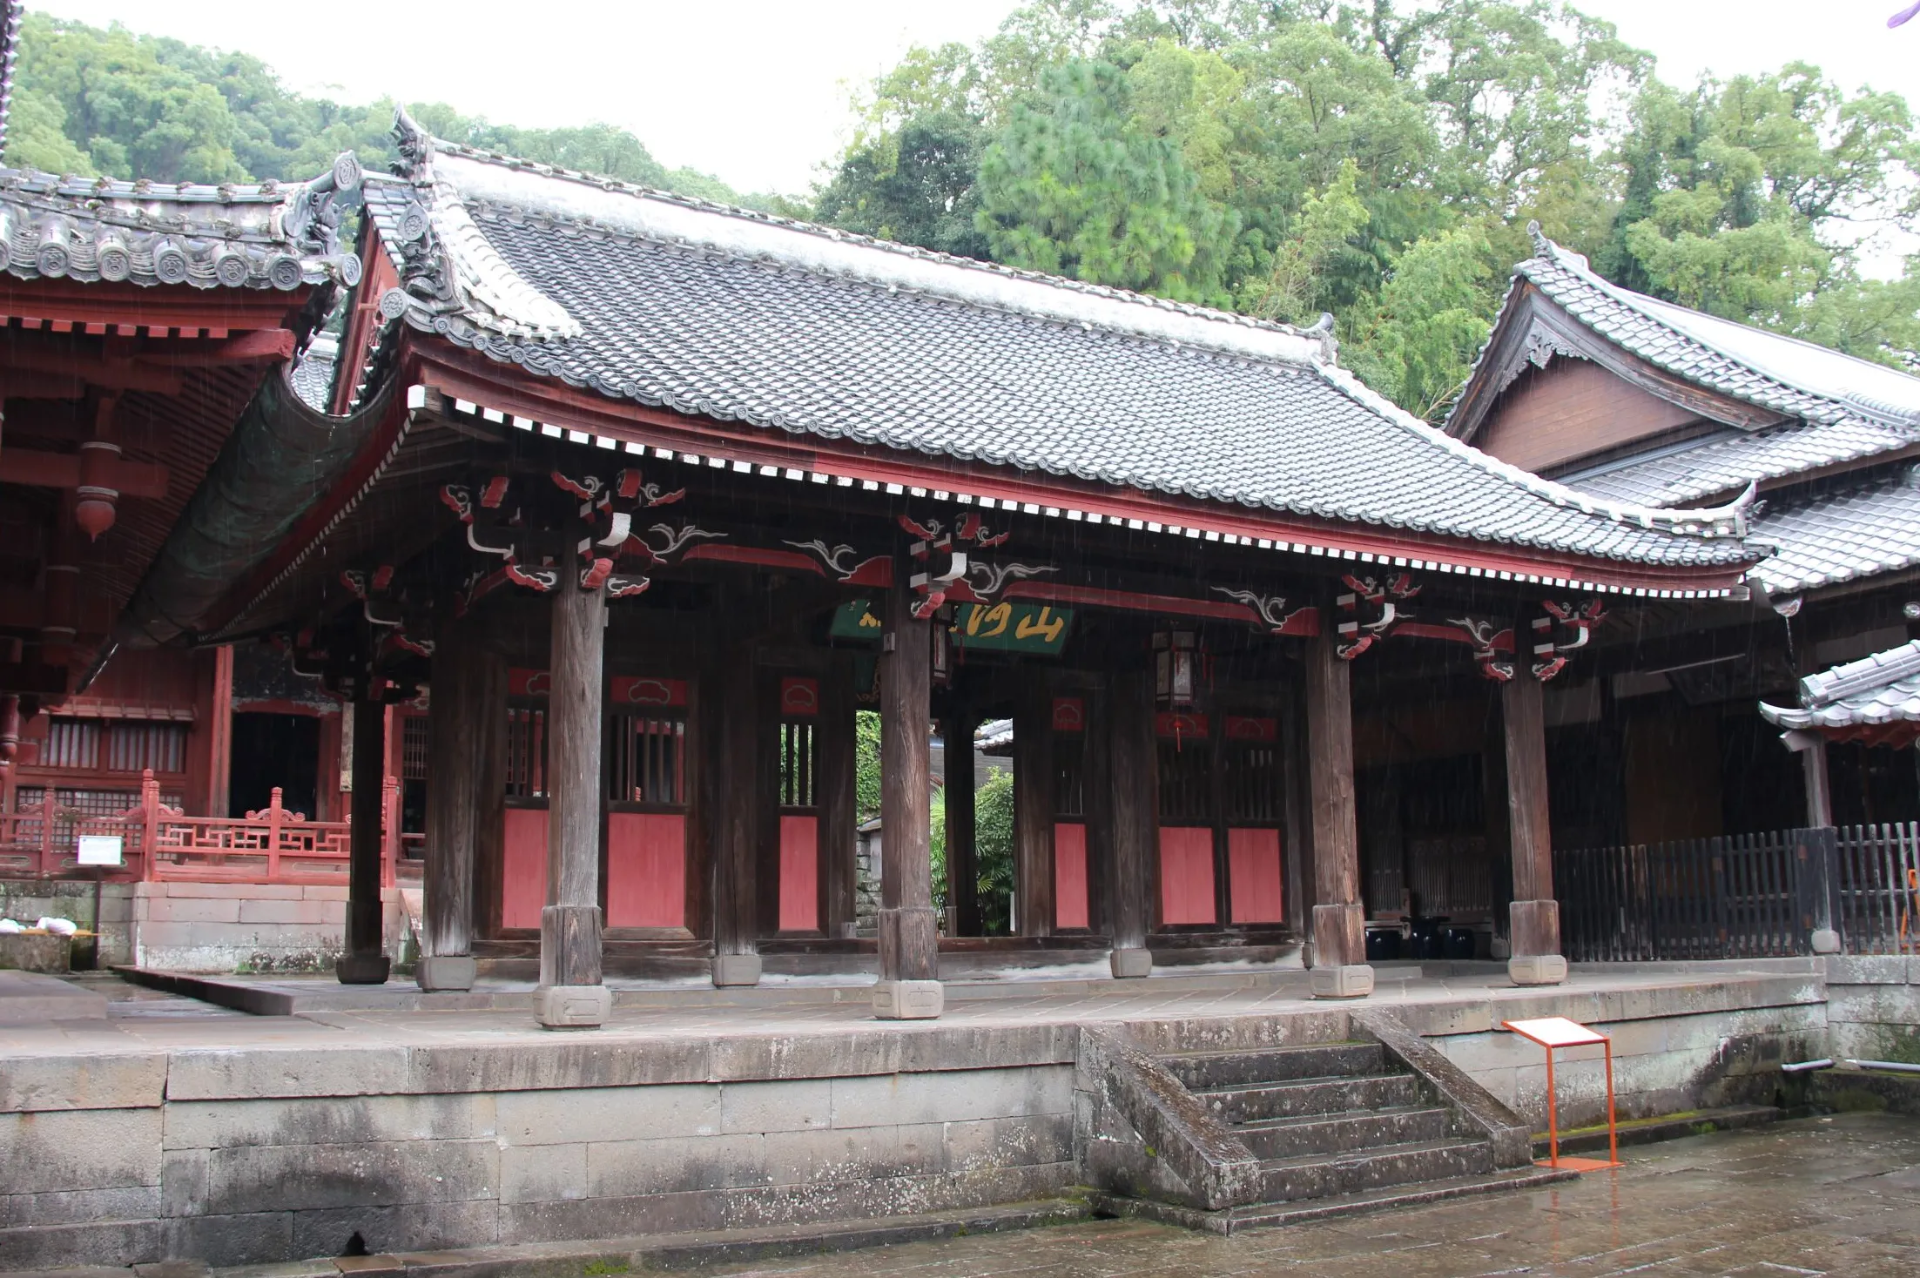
(1741,896)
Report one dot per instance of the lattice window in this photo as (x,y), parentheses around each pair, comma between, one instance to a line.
(649,760)
(526,752)
(1252,789)
(137,744)
(1186,781)
(72,743)
(413,748)
(1069,775)
(797,781)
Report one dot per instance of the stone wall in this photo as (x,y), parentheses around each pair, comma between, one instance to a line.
(1873,1007)
(269,1155)
(243,927)
(30,899)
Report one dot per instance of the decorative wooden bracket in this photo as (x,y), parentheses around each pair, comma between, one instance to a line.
(1492,648)
(377,603)
(845,565)
(1565,628)
(1370,612)
(949,574)
(1274,617)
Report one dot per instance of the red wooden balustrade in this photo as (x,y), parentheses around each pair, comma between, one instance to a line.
(161,843)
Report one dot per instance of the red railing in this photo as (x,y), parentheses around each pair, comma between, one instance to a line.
(158,842)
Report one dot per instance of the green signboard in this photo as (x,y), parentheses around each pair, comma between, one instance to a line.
(1002,627)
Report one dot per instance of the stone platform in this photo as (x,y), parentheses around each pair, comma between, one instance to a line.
(416,1125)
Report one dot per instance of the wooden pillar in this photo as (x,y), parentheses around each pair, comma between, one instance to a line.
(365,961)
(1339,922)
(1033,804)
(734,800)
(453,816)
(571,994)
(486,717)
(220,735)
(963,864)
(1133,822)
(909,986)
(834,756)
(1534,917)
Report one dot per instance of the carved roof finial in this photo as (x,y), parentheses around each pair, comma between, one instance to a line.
(1322,330)
(1542,246)
(413,144)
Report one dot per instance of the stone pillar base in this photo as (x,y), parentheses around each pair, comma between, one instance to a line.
(572,1006)
(446,972)
(1537,969)
(736,969)
(908,1000)
(1131,964)
(363,969)
(1826,941)
(1349,980)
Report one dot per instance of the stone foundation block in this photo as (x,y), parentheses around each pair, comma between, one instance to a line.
(1537,969)
(908,1000)
(363,969)
(446,972)
(736,969)
(572,1006)
(1131,964)
(1349,980)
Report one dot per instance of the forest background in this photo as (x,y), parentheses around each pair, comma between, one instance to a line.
(1377,160)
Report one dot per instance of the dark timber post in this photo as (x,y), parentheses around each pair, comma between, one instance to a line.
(733,793)
(1340,967)
(487,720)
(1033,804)
(963,869)
(1133,822)
(909,986)
(365,961)
(571,994)
(835,755)
(1534,917)
(453,814)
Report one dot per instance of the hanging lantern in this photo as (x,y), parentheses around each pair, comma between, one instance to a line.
(1176,667)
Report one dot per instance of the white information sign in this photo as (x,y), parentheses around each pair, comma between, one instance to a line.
(99,849)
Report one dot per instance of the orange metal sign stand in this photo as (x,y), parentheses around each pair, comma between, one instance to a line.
(1557,1031)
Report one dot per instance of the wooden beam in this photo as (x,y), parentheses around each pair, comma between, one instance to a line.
(1534,916)
(909,936)
(732,800)
(33,678)
(90,370)
(1135,821)
(835,751)
(1339,922)
(454,811)
(365,960)
(62,470)
(1033,803)
(261,346)
(571,994)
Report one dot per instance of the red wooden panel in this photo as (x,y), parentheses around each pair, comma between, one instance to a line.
(799,874)
(523,887)
(642,690)
(646,869)
(1253,875)
(1186,874)
(1069,874)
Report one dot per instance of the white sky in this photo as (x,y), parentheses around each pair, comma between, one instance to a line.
(756,91)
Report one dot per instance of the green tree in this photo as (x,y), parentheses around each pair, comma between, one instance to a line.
(1074,187)
(915,186)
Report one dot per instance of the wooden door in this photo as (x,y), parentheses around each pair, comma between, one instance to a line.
(1251,802)
(1070,894)
(649,793)
(523,876)
(798,805)
(1185,754)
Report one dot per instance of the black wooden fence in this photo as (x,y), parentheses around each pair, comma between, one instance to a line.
(1742,896)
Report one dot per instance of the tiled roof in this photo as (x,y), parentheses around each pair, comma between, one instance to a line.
(1843,409)
(1883,688)
(1829,538)
(10,15)
(739,316)
(312,375)
(272,235)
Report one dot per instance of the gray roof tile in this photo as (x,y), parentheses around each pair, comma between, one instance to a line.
(738,316)
(1882,688)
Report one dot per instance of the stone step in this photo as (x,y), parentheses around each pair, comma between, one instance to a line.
(1263,1215)
(1236,1067)
(1310,1096)
(1326,1176)
(1332,1134)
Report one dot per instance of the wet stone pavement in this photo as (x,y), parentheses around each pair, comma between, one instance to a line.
(1837,1196)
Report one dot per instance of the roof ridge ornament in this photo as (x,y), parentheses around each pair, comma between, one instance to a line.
(413,147)
(1542,246)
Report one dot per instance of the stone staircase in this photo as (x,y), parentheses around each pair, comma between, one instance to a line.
(1241,1136)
